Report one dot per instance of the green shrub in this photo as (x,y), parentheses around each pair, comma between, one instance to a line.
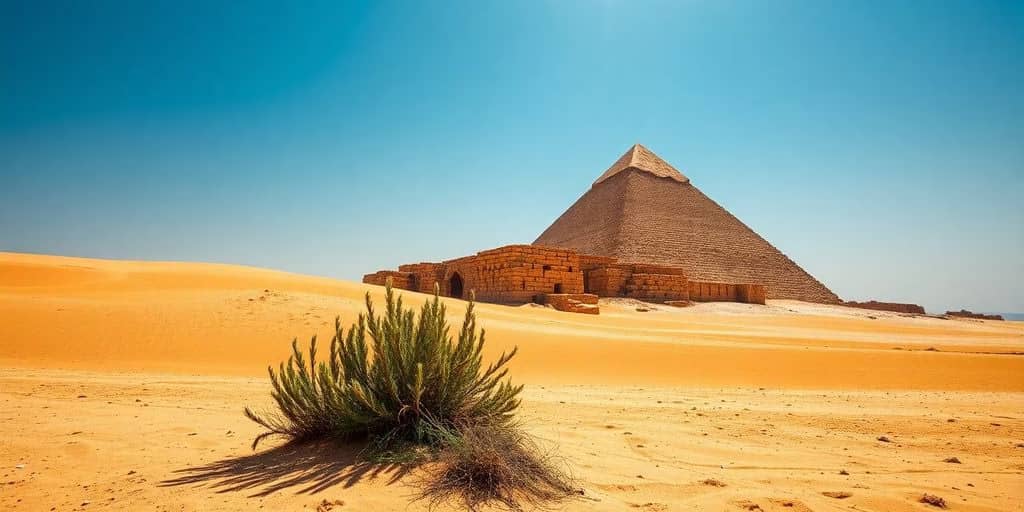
(409,383)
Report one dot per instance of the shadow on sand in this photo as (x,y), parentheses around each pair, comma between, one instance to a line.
(312,467)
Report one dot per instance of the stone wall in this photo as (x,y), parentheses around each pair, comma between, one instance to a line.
(644,282)
(424,275)
(401,280)
(514,274)
(664,283)
(518,274)
(708,291)
(657,287)
(963,313)
(896,307)
(751,293)
(607,281)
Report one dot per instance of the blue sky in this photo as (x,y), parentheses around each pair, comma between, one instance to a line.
(880,145)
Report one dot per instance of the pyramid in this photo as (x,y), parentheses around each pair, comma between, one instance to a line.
(643,210)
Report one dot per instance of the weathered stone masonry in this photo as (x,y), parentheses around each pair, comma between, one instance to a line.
(896,307)
(514,274)
(562,278)
(644,210)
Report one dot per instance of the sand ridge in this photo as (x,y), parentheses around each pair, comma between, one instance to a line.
(217,319)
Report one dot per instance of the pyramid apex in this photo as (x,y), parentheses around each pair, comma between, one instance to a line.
(642,159)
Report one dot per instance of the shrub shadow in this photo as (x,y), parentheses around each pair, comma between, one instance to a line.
(311,466)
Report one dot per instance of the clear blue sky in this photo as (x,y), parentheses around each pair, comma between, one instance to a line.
(880,145)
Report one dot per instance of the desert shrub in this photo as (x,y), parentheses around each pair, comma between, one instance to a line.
(409,383)
(495,464)
(418,395)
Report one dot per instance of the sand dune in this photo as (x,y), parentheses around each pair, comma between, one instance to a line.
(216,319)
(122,385)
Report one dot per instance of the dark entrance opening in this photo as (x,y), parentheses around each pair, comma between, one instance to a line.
(558,287)
(455,286)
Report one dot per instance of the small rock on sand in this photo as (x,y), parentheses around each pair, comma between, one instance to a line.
(933,500)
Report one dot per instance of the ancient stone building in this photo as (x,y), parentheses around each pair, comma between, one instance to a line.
(515,274)
(644,210)
(562,278)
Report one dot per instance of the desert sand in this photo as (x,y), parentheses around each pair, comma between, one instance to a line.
(122,385)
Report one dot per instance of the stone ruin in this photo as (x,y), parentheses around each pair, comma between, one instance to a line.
(963,313)
(895,307)
(561,278)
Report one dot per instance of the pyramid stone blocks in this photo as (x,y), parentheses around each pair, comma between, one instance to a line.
(642,210)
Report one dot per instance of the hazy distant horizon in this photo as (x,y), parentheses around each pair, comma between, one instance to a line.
(878,146)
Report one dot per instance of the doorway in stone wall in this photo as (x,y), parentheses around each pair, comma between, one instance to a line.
(455,286)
